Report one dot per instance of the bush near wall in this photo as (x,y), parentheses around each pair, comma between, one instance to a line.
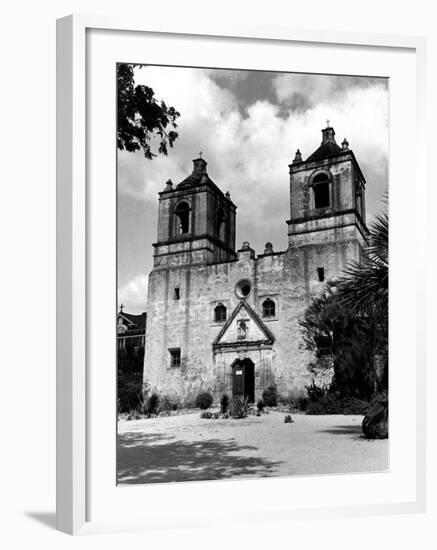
(204,400)
(224,403)
(238,407)
(270,396)
(152,404)
(130,392)
(322,401)
(338,405)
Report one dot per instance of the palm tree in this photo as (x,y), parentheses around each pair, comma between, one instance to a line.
(364,289)
(364,286)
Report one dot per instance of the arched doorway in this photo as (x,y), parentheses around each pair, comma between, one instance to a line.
(243,379)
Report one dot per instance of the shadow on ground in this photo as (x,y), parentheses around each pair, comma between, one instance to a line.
(345,430)
(159,458)
(45,518)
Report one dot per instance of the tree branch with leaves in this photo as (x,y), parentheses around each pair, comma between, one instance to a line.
(142,119)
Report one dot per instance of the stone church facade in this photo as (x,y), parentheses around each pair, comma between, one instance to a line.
(226,320)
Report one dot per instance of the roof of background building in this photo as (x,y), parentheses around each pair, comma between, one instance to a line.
(138,320)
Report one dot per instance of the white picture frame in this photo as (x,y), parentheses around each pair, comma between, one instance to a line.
(74,466)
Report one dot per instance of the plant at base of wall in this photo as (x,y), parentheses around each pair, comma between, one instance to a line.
(238,407)
(152,404)
(224,403)
(270,396)
(204,401)
(260,405)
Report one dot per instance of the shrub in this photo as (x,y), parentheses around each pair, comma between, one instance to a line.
(166,405)
(224,403)
(345,343)
(130,392)
(333,404)
(301,403)
(206,414)
(379,399)
(260,405)
(270,396)
(294,401)
(317,408)
(152,404)
(288,419)
(354,405)
(316,393)
(134,414)
(204,401)
(238,407)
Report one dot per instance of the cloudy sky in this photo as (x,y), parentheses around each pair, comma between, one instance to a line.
(248,125)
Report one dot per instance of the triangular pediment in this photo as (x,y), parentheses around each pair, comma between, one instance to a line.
(244,327)
(123,320)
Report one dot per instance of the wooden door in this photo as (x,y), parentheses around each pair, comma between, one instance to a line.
(238,380)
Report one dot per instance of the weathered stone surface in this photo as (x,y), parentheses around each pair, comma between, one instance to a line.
(205,268)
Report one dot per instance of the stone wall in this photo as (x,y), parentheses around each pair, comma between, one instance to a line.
(288,278)
(206,272)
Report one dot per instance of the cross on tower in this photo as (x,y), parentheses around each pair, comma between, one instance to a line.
(200,154)
(121,308)
(327,123)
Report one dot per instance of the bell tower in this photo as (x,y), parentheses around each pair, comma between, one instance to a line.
(327,205)
(196,221)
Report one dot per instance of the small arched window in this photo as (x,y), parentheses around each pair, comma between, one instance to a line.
(321,191)
(182,214)
(221,225)
(220,313)
(269,309)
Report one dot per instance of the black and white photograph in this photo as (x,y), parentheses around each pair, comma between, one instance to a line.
(252,265)
(221,217)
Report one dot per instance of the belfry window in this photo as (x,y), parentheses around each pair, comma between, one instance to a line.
(321,191)
(182,214)
(269,309)
(321,274)
(221,225)
(220,313)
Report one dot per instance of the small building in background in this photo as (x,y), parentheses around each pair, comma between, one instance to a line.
(131,335)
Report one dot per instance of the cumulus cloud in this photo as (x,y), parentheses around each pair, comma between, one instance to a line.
(303,91)
(248,151)
(133,295)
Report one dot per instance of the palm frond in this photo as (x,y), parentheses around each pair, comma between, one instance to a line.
(364,285)
(378,243)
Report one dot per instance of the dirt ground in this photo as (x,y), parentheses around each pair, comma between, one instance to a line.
(188,448)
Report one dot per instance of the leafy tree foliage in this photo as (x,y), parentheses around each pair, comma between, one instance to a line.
(364,289)
(352,342)
(349,324)
(142,119)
